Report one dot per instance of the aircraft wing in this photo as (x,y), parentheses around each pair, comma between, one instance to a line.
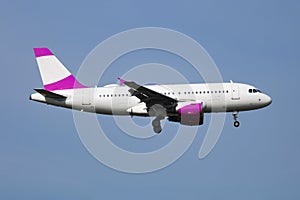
(150,97)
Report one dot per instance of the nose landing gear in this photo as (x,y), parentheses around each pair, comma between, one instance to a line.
(236,122)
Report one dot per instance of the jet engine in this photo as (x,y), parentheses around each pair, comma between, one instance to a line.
(191,114)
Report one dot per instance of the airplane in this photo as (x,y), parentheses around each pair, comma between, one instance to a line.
(181,103)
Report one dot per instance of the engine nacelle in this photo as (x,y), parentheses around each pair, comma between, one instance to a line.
(191,115)
(190,109)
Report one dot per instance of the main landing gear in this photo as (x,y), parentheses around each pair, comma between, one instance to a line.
(160,113)
(156,125)
(236,122)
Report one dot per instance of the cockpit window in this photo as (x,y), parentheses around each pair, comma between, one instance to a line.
(254,91)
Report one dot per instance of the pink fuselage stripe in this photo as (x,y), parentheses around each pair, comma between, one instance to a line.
(39,52)
(67,83)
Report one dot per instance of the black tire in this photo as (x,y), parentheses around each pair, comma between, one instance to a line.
(157,129)
(155,123)
(236,124)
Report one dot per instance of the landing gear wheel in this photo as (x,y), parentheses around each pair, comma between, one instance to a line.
(157,129)
(236,124)
(156,125)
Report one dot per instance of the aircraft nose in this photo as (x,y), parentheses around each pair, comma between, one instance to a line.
(267,100)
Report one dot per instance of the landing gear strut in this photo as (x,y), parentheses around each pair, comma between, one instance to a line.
(159,112)
(236,122)
(156,125)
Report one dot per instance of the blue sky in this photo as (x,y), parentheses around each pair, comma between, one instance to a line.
(257,42)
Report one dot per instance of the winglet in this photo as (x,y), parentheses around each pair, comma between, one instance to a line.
(122,81)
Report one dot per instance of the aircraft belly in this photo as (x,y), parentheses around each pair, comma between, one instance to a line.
(111,107)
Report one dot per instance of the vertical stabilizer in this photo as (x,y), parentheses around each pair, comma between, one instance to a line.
(55,75)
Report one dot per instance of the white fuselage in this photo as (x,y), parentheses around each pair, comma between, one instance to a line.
(116,100)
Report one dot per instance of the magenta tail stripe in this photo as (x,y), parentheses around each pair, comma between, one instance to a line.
(67,83)
(39,52)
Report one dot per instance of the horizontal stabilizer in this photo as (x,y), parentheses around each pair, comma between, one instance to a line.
(49,94)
